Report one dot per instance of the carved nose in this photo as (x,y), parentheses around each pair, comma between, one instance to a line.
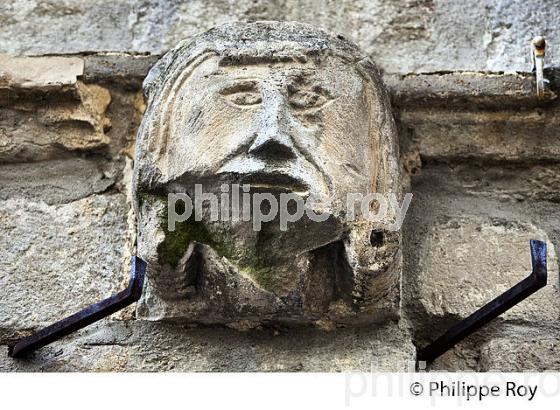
(271,139)
(273,144)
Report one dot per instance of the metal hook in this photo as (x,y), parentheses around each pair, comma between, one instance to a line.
(538,47)
(508,299)
(86,316)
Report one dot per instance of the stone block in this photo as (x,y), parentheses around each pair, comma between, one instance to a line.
(467,262)
(505,135)
(47,73)
(403,36)
(56,181)
(36,126)
(57,259)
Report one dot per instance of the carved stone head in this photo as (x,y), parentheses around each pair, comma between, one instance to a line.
(267,108)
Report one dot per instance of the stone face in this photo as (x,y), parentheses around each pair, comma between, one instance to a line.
(402,36)
(145,346)
(56,259)
(279,109)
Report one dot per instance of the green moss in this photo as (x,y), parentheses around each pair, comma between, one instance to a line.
(258,263)
(176,242)
(253,261)
(262,274)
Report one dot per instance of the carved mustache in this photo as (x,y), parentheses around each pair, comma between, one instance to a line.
(275,159)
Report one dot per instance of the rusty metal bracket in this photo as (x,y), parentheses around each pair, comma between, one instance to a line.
(86,316)
(508,299)
(538,51)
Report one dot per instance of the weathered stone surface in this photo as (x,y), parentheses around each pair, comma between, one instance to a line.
(278,108)
(46,73)
(58,181)
(402,36)
(465,242)
(126,69)
(125,113)
(463,357)
(468,90)
(483,117)
(520,349)
(55,259)
(481,150)
(145,346)
(32,129)
(517,183)
(467,262)
(506,135)
(503,347)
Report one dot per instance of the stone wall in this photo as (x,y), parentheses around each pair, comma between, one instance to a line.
(479,149)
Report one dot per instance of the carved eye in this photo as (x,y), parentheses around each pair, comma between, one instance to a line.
(308,99)
(242,94)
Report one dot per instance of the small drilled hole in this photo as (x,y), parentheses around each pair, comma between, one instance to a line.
(376,238)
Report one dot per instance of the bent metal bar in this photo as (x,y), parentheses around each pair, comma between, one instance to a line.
(86,316)
(508,299)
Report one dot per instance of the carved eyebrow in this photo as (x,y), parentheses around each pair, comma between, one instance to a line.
(306,79)
(238,86)
(315,87)
(320,89)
